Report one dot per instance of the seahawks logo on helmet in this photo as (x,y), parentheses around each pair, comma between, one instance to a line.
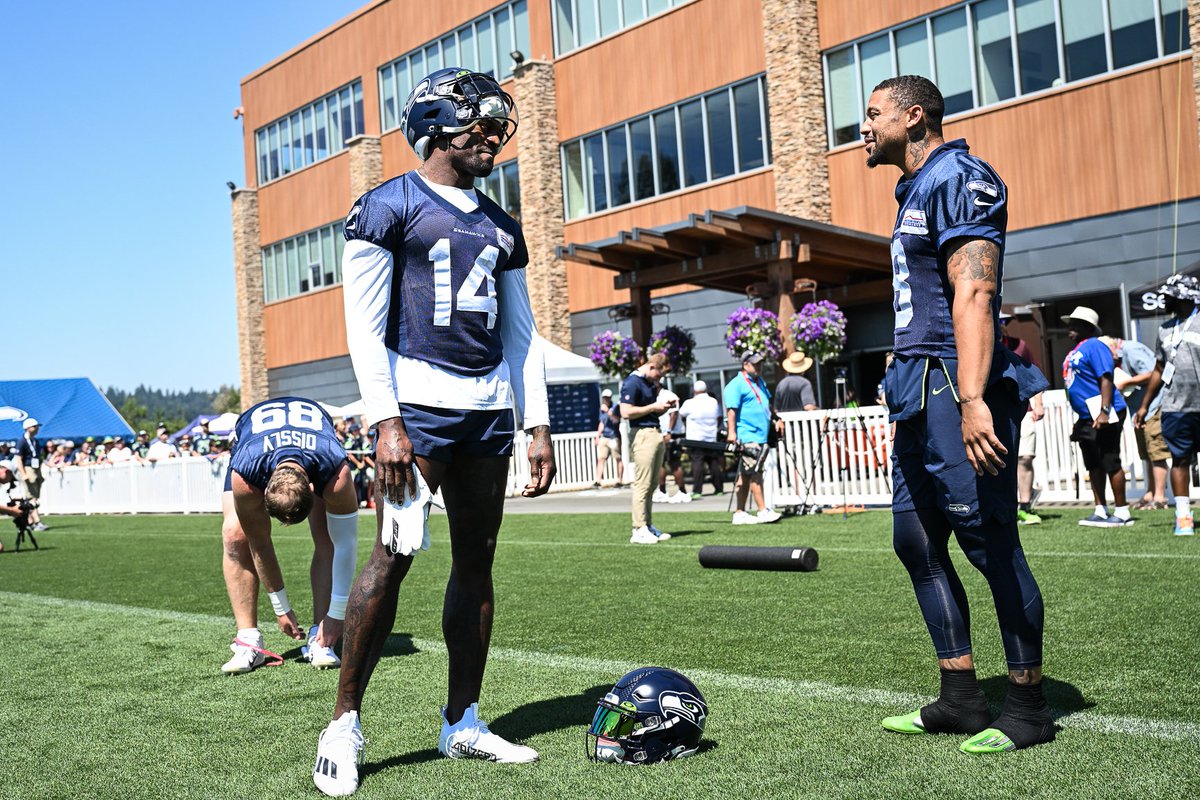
(684,705)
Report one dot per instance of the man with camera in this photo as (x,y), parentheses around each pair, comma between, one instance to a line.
(750,418)
(14,505)
(28,467)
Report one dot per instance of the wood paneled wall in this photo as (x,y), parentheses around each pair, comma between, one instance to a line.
(316,195)
(589,287)
(841,21)
(1098,148)
(691,49)
(305,328)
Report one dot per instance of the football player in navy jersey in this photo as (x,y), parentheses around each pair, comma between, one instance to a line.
(444,347)
(287,463)
(957,396)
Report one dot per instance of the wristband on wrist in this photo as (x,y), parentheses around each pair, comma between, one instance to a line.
(279,602)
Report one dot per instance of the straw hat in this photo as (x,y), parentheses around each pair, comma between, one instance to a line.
(797,363)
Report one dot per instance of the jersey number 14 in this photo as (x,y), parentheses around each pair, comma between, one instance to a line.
(469,298)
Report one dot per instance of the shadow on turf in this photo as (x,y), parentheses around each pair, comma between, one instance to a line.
(1063,698)
(398,644)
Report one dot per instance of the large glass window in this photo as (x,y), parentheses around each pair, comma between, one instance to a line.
(1133,37)
(581,22)
(993,51)
(484,44)
(972,49)
(720,134)
(1037,44)
(952,59)
(309,261)
(302,137)
(1083,38)
(503,186)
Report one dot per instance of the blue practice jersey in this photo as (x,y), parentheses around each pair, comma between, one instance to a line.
(286,429)
(953,195)
(443,293)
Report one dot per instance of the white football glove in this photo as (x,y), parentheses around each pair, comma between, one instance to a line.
(406,525)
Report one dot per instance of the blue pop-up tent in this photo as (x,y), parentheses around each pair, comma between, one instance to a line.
(67,408)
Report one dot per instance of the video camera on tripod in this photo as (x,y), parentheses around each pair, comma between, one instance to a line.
(21,520)
(740,450)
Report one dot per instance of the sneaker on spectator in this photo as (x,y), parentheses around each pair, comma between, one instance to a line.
(742,518)
(767,515)
(1183,525)
(1096,521)
(696,495)
(680,497)
(1028,518)
(1119,522)
(596,485)
(662,535)
(659,497)
(41,526)
(643,535)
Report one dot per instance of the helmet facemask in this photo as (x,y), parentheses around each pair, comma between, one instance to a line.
(476,97)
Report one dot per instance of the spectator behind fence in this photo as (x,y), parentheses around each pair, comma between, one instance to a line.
(795,392)
(671,425)
(161,449)
(640,406)
(701,414)
(187,448)
(28,464)
(1088,374)
(608,439)
(118,453)
(141,445)
(86,454)
(1134,366)
(202,442)
(1177,376)
(356,445)
(1027,444)
(749,420)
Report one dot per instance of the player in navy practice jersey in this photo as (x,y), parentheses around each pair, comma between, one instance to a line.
(287,463)
(444,347)
(957,396)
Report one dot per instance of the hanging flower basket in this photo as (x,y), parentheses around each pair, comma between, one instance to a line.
(820,330)
(679,346)
(753,330)
(615,355)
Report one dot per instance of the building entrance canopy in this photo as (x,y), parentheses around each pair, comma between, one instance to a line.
(782,259)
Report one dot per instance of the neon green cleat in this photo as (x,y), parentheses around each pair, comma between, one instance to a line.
(905,723)
(988,741)
(1028,518)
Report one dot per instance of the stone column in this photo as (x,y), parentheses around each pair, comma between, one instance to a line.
(248,292)
(1193,11)
(541,198)
(796,95)
(366,166)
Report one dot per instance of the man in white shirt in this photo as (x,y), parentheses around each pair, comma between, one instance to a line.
(161,449)
(671,425)
(702,415)
(444,346)
(119,453)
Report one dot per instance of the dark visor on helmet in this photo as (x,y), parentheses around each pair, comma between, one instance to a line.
(611,723)
(486,100)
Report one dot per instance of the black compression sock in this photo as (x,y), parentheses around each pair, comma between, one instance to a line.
(960,707)
(1026,507)
(1025,718)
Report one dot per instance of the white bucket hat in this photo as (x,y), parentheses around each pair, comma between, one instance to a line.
(1084,314)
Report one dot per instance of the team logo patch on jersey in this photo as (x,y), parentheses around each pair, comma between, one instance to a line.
(506,240)
(913,221)
(990,193)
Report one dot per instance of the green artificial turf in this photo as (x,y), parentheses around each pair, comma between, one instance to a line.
(110,682)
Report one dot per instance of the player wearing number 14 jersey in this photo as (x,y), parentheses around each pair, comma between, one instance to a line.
(444,347)
(957,396)
(287,463)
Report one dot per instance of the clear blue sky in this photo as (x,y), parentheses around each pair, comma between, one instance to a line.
(117,142)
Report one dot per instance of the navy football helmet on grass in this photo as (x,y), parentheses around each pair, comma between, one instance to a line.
(451,101)
(652,714)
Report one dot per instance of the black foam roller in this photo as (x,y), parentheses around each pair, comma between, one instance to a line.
(787,559)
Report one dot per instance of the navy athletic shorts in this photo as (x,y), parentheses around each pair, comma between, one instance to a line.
(1181,429)
(929,461)
(441,434)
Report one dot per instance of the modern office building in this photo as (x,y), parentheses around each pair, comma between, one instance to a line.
(679,158)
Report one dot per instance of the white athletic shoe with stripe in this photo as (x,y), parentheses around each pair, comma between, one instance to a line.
(245,658)
(470,738)
(319,656)
(339,752)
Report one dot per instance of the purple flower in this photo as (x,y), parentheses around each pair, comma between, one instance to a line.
(820,329)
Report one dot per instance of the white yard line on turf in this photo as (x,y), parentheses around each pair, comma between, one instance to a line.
(1175,730)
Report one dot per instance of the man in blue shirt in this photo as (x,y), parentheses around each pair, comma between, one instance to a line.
(749,418)
(1135,366)
(608,439)
(1088,376)
(957,396)
(639,405)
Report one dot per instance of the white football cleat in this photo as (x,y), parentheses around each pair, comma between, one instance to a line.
(659,497)
(768,515)
(742,518)
(470,738)
(319,656)
(643,535)
(247,657)
(339,752)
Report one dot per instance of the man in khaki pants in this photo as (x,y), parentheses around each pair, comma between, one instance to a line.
(640,406)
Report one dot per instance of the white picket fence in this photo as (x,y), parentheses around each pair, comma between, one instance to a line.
(827,457)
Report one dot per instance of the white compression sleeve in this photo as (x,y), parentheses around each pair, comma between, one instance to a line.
(366,290)
(343,532)
(522,350)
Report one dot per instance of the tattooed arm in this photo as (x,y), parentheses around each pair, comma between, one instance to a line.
(972,266)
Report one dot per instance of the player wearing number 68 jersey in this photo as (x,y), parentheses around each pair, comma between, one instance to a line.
(444,347)
(288,463)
